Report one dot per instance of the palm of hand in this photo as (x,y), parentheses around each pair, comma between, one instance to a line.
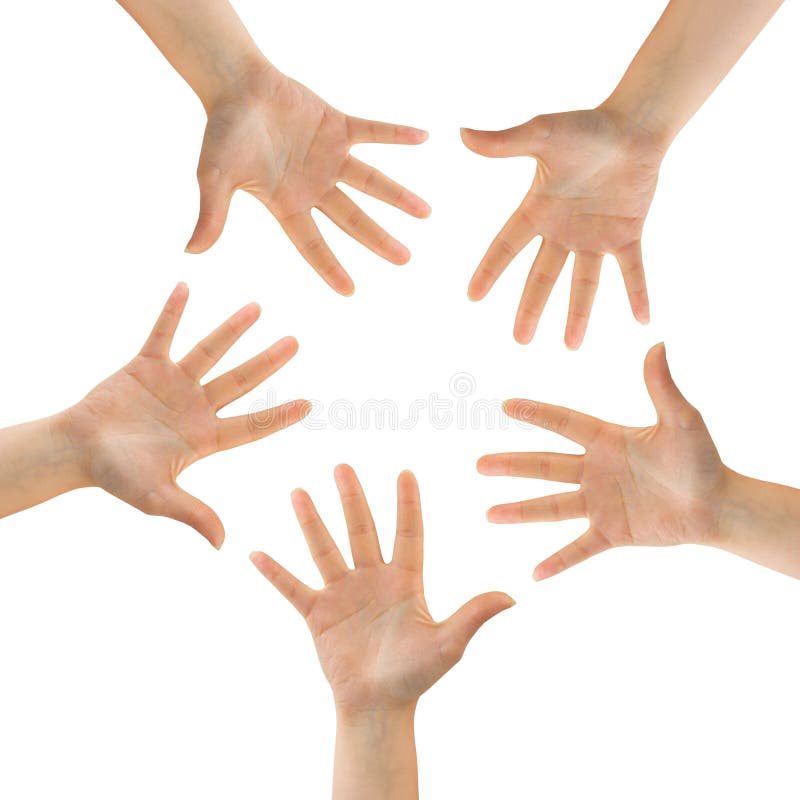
(140,428)
(594,182)
(651,486)
(280,142)
(143,426)
(287,150)
(659,485)
(376,640)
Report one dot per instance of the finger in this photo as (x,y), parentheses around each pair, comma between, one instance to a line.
(362,131)
(559,467)
(546,268)
(586,546)
(514,235)
(215,200)
(179,505)
(458,630)
(246,428)
(339,208)
(364,543)
(323,549)
(160,339)
(669,402)
(516,141)
(630,262)
(408,544)
(369,180)
(580,428)
(208,352)
(555,508)
(585,279)
(239,381)
(296,592)
(305,236)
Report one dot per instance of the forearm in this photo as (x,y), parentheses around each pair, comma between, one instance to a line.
(204,40)
(689,51)
(760,521)
(38,461)
(375,756)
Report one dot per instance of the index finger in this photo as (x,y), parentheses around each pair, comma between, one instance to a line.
(408,539)
(580,428)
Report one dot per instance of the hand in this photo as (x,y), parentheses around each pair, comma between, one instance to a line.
(660,485)
(140,428)
(287,147)
(377,642)
(595,179)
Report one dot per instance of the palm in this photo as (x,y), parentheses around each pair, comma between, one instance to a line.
(145,424)
(284,145)
(595,179)
(593,185)
(375,637)
(659,485)
(377,642)
(650,486)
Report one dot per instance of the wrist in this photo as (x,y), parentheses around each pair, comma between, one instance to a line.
(641,118)
(70,444)
(735,511)
(254,79)
(375,719)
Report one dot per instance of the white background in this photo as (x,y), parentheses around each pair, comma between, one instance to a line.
(137,662)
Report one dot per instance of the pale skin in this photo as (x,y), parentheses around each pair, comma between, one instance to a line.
(596,169)
(664,484)
(270,136)
(378,645)
(134,433)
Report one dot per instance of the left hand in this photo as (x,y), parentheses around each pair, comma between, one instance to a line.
(378,645)
(595,178)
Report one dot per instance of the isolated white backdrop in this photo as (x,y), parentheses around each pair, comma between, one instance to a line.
(137,662)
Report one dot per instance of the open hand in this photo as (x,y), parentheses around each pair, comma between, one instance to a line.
(660,485)
(140,428)
(280,142)
(376,640)
(595,179)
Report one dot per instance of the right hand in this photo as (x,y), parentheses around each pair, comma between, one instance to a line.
(277,140)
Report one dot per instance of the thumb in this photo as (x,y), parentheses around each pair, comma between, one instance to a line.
(459,629)
(521,140)
(667,398)
(215,199)
(184,507)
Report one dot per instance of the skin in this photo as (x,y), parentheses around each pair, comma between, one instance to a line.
(597,169)
(270,136)
(378,645)
(134,433)
(660,485)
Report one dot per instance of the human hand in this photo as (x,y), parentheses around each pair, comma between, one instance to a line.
(277,140)
(660,485)
(595,179)
(378,645)
(140,428)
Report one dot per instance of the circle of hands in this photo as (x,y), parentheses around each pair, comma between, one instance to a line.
(594,182)
(378,645)
(140,428)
